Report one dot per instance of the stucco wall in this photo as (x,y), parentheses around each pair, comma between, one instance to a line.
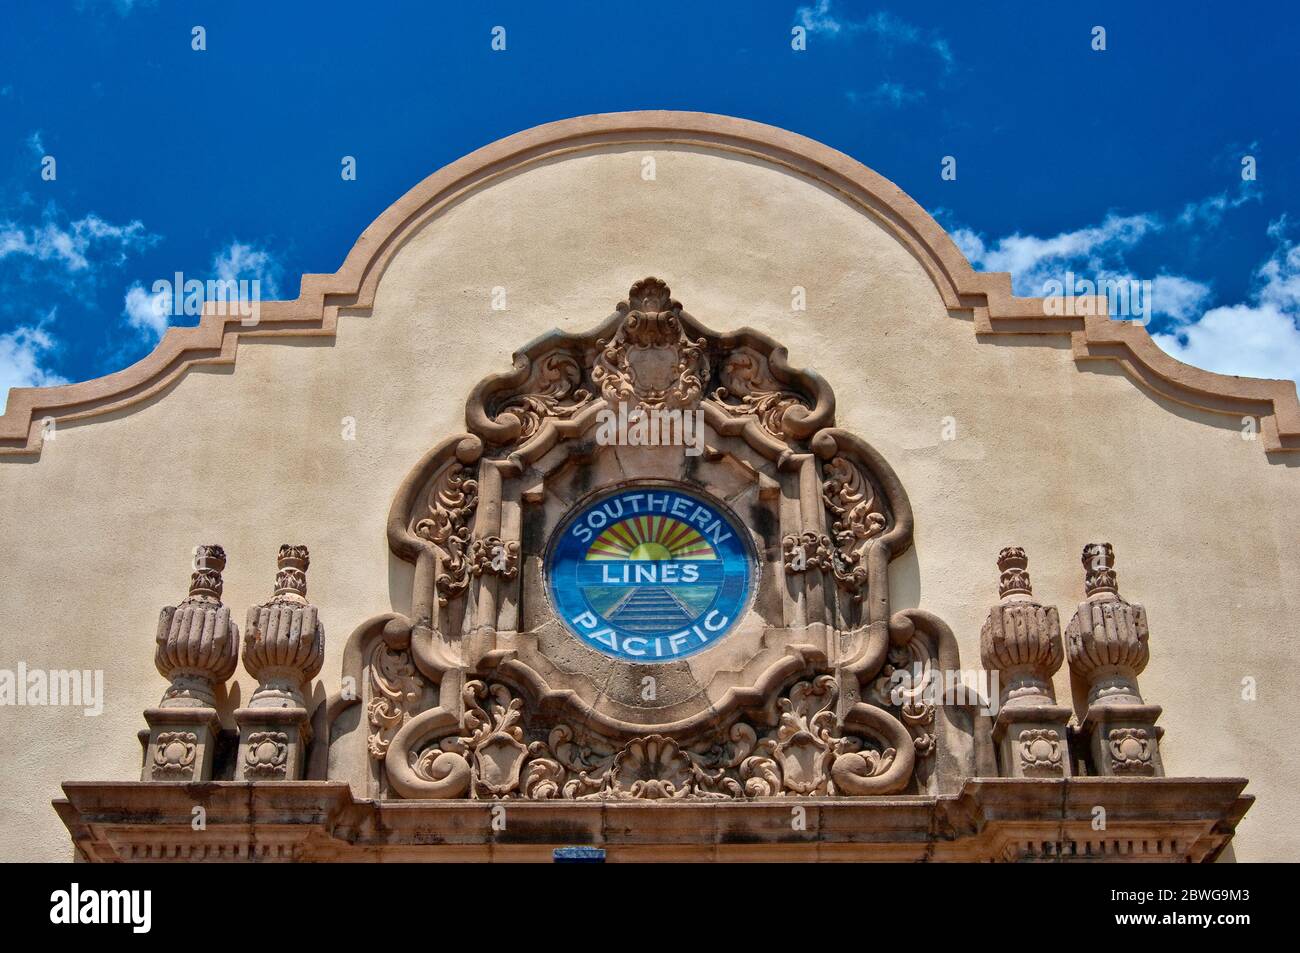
(95,536)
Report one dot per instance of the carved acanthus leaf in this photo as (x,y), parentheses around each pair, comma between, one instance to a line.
(857,519)
(747,378)
(552,391)
(395,687)
(451,510)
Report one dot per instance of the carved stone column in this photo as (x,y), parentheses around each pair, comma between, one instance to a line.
(1021,641)
(197,647)
(284,645)
(1107,646)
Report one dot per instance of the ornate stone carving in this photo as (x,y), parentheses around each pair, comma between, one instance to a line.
(1130,750)
(395,688)
(173,755)
(1021,643)
(196,648)
(1013,569)
(266,755)
(857,519)
(746,377)
(284,645)
(553,390)
(495,746)
(197,644)
(448,527)
(651,361)
(494,556)
(806,551)
(807,754)
(1040,752)
(481,505)
(1107,638)
(1021,639)
(284,640)
(1107,645)
(904,683)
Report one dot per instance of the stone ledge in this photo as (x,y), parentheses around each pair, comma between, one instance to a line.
(1148,819)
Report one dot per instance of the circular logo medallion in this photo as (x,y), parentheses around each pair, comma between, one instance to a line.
(649,574)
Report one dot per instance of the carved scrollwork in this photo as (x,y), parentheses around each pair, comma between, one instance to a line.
(650,360)
(492,555)
(395,688)
(807,755)
(554,390)
(857,518)
(495,745)
(904,683)
(806,551)
(747,378)
(451,510)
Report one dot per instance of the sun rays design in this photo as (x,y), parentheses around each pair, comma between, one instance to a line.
(650,537)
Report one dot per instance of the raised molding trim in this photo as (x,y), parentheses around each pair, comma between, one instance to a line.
(986,296)
(1171,820)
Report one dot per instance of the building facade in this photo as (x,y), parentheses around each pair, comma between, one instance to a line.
(668,484)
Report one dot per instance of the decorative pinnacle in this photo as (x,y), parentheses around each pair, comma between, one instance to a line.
(205,581)
(291,573)
(1099,569)
(1013,564)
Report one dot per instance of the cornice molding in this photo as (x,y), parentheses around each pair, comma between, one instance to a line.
(986,296)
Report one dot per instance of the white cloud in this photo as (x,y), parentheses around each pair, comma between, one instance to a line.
(148,313)
(1256,338)
(1033,261)
(1180,298)
(1208,213)
(23,351)
(1248,340)
(1259,338)
(238,261)
(896,94)
(79,246)
(820,18)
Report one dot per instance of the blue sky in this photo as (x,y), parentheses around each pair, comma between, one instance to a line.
(225,162)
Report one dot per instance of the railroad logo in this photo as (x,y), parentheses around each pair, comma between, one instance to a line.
(649,574)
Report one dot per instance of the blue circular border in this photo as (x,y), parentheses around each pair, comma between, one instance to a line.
(580,527)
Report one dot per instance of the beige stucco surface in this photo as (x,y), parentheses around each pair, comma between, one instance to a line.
(95,535)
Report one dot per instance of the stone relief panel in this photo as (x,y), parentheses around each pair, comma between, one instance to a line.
(643,680)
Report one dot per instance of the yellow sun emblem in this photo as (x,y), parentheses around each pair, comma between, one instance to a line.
(650,537)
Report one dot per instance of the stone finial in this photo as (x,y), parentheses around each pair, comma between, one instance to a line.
(1013,565)
(284,641)
(197,642)
(1099,569)
(1107,639)
(1021,639)
(1107,644)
